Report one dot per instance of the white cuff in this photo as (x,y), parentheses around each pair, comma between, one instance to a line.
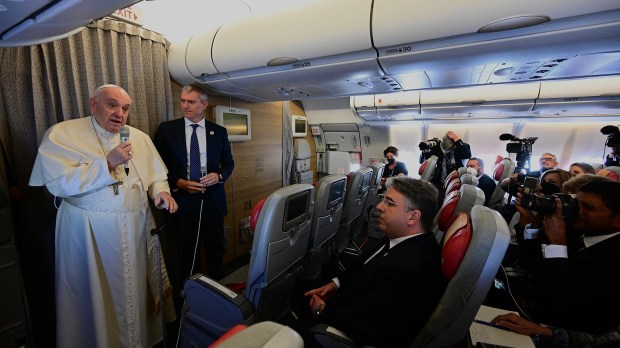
(554,251)
(336,281)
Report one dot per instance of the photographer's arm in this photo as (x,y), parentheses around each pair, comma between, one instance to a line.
(554,226)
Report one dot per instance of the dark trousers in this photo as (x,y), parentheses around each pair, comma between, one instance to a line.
(187,221)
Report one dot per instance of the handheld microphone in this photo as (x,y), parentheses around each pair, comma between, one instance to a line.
(124,137)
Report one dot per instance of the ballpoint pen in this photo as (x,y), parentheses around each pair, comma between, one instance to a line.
(491,324)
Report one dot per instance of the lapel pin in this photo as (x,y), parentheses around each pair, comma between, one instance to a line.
(211,132)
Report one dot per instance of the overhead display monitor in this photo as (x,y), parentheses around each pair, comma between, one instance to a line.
(237,121)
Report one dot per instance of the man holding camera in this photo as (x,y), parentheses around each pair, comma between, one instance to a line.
(451,154)
(547,161)
(577,293)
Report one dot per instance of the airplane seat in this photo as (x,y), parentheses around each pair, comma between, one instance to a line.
(611,172)
(427,168)
(267,334)
(354,203)
(453,175)
(472,251)
(301,162)
(460,201)
(455,185)
(373,199)
(254,214)
(465,170)
(501,171)
(328,203)
(469,179)
(279,246)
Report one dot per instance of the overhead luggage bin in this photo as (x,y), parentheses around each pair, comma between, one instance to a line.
(593,95)
(489,99)
(498,44)
(35,22)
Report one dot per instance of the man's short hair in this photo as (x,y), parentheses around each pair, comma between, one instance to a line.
(196,87)
(609,191)
(419,195)
(555,159)
(573,184)
(109,85)
(480,162)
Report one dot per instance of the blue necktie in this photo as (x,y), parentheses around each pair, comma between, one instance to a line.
(194,156)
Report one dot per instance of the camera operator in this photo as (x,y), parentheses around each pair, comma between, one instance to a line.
(451,154)
(612,159)
(577,292)
(547,161)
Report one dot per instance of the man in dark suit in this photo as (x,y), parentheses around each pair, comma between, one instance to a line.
(485,183)
(578,291)
(386,301)
(201,199)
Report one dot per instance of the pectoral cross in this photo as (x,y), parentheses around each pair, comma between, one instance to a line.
(115,187)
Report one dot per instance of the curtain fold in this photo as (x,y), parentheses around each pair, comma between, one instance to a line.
(42,85)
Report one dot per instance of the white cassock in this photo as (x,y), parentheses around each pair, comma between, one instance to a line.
(106,265)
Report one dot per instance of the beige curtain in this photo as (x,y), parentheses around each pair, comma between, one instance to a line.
(42,85)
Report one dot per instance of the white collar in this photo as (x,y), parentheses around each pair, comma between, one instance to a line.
(591,240)
(201,123)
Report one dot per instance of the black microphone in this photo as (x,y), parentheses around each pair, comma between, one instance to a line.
(506,136)
(124,138)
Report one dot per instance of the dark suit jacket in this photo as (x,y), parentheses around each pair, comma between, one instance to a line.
(386,302)
(170,142)
(582,292)
(487,185)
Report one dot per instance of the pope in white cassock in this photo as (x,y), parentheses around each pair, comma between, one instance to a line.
(107,287)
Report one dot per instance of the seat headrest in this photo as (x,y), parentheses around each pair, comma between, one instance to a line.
(503,169)
(454,175)
(610,172)
(455,244)
(469,179)
(454,185)
(301,149)
(444,216)
(427,169)
(255,213)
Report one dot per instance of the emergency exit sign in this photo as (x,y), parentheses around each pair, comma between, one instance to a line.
(132,15)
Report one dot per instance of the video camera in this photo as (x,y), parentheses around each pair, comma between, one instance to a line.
(429,144)
(518,146)
(546,204)
(613,136)
(522,147)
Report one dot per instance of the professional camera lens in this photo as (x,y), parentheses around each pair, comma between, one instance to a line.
(429,144)
(544,204)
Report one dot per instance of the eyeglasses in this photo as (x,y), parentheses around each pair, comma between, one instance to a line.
(547,159)
(389,202)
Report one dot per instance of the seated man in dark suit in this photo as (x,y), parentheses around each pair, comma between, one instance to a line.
(386,301)
(485,183)
(578,292)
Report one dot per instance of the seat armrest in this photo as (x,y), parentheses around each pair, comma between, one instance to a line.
(213,309)
(329,336)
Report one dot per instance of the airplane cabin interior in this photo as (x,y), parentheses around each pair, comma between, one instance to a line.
(311,93)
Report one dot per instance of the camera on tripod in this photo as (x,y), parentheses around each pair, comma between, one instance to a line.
(523,149)
(546,204)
